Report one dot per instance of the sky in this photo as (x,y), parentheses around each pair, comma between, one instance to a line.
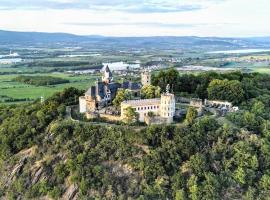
(221,18)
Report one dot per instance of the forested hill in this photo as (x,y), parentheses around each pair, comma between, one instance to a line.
(43,155)
(160,42)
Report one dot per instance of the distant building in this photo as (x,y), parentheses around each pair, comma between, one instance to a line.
(103,92)
(218,104)
(146,77)
(162,108)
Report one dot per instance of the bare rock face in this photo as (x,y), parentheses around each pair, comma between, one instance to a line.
(37,176)
(71,192)
(16,171)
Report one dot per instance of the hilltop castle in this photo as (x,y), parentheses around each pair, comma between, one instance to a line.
(104,91)
(152,111)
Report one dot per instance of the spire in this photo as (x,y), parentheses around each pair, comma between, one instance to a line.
(107,69)
(107,75)
(168,89)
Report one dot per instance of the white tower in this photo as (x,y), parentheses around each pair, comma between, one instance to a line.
(167,105)
(146,77)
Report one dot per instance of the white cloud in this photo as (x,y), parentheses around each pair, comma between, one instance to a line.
(215,18)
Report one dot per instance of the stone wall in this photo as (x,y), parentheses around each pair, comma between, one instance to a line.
(112,118)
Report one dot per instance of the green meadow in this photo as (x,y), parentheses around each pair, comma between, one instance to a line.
(264,70)
(10,89)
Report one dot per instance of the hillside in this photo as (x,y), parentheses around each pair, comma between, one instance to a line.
(160,42)
(44,155)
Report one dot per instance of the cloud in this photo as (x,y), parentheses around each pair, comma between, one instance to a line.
(136,6)
(137,24)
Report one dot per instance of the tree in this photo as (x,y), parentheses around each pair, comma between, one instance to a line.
(226,90)
(191,115)
(150,91)
(258,108)
(240,175)
(163,78)
(193,188)
(180,195)
(265,182)
(122,95)
(131,115)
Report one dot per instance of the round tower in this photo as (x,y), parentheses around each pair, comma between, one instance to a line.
(167,106)
(146,77)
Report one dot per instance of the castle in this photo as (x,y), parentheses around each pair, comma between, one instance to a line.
(159,110)
(162,109)
(104,91)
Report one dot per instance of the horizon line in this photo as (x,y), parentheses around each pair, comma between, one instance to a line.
(133,36)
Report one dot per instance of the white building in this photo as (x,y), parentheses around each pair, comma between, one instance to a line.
(141,106)
(163,107)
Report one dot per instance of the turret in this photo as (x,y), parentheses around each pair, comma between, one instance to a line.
(167,105)
(107,77)
(146,77)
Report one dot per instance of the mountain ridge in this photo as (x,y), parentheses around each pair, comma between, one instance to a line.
(170,42)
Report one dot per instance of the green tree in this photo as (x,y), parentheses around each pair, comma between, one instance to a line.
(180,195)
(258,108)
(265,182)
(131,116)
(150,91)
(122,95)
(193,188)
(191,115)
(240,175)
(226,90)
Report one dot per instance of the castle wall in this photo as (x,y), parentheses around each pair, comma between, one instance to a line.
(218,103)
(91,104)
(82,102)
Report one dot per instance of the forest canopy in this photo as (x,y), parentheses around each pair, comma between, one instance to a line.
(204,158)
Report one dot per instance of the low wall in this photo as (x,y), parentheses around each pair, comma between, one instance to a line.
(113,118)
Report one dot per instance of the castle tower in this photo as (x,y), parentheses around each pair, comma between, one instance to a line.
(107,77)
(167,105)
(146,77)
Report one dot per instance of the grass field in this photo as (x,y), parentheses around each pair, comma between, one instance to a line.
(265,70)
(15,90)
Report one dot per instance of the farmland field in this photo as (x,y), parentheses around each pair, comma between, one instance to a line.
(11,89)
(65,62)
